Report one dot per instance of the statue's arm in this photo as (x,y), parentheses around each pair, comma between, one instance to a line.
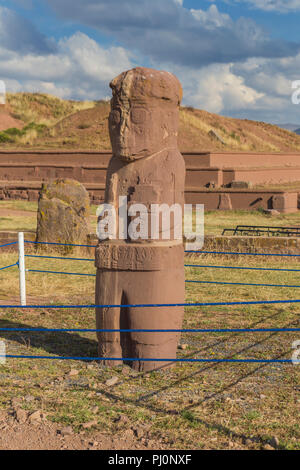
(111,186)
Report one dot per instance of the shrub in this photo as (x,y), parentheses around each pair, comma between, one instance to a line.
(4,138)
(32,126)
(13,131)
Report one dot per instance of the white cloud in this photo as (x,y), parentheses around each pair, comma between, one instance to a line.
(258,89)
(24,3)
(19,34)
(271,76)
(273,79)
(94,61)
(81,69)
(216,88)
(282,6)
(166,31)
(212,18)
(78,67)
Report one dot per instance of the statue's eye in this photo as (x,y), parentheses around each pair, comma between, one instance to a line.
(138,115)
(115,117)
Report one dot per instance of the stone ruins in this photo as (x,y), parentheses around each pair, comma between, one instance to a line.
(63,212)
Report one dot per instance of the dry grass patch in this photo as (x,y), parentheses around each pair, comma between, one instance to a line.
(74,124)
(190,406)
(43,108)
(215,221)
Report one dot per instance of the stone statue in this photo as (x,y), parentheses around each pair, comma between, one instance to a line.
(63,213)
(147,168)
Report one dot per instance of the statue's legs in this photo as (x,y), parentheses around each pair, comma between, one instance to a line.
(156,287)
(140,287)
(108,292)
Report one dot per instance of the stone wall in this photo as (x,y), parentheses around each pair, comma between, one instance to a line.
(290,245)
(208,176)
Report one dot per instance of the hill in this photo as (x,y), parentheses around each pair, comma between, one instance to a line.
(44,121)
(289,126)
(7,120)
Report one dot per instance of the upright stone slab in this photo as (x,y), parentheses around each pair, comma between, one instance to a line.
(224,202)
(63,211)
(147,168)
(285,202)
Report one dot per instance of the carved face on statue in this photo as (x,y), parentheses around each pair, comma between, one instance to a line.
(144,113)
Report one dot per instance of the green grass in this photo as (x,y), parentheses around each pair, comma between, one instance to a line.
(5,138)
(201,406)
(215,221)
(19,205)
(294,185)
(25,135)
(41,107)
(22,224)
(190,406)
(16,221)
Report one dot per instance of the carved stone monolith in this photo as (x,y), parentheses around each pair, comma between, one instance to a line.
(146,168)
(63,212)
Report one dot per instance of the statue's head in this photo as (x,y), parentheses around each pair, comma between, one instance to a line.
(144,112)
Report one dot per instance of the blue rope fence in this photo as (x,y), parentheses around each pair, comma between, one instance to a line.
(239,267)
(59,244)
(60,257)
(188,304)
(8,244)
(185,304)
(134,359)
(186,251)
(240,283)
(240,253)
(170,360)
(195,330)
(58,272)
(186,265)
(11,266)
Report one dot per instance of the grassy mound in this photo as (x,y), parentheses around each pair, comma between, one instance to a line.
(84,124)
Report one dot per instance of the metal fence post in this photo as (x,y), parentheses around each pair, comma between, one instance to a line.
(22,268)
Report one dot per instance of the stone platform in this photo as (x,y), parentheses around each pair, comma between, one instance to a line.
(218,180)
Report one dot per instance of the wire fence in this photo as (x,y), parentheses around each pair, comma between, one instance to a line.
(22,271)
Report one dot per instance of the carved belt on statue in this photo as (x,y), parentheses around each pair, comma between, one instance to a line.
(137,257)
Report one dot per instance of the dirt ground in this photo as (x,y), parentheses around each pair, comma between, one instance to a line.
(15,213)
(40,434)
(66,404)
(7,120)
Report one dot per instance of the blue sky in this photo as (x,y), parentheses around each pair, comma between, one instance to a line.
(233,57)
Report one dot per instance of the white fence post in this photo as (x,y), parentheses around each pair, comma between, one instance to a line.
(2,352)
(22,268)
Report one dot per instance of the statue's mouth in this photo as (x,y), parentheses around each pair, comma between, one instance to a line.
(127,158)
(128,155)
(125,154)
